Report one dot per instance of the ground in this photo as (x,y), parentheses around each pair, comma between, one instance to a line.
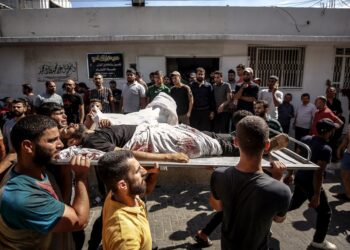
(176,212)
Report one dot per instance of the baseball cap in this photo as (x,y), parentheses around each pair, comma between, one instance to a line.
(249,70)
(274,77)
(175,73)
(325,125)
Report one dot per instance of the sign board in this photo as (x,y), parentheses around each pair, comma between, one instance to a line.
(109,65)
(57,71)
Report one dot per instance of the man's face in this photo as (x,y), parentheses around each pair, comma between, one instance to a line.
(305,100)
(319,103)
(175,79)
(18,109)
(157,79)
(51,88)
(112,85)
(98,80)
(136,177)
(70,86)
(68,131)
(231,77)
(331,93)
(239,71)
(97,104)
(287,98)
(200,76)
(24,91)
(246,76)
(130,77)
(217,79)
(271,83)
(259,110)
(60,117)
(47,147)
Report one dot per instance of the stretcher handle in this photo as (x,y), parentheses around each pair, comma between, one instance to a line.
(306,147)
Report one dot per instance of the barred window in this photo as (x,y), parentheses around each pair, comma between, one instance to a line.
(341,72)
(285,62)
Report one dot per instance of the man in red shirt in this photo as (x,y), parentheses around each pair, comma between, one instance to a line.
(323,112)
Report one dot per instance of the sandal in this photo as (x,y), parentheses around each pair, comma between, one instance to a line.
(201,242)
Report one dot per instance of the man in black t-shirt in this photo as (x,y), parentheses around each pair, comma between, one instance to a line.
(73,103)
(308,184)
(249,198)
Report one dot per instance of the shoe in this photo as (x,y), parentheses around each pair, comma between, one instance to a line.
(341,196)
(201,242)
(326,245)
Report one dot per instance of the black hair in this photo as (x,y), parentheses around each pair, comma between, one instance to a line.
(239,115)
(263,102)
(20,100)
(112,167)
(252,133)
(231,71)
(305,95)
(30,128)
(47,108)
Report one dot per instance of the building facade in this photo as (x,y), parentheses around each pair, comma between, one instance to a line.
(303,46)
(36,4)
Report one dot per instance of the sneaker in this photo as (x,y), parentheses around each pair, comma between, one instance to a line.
(326,245)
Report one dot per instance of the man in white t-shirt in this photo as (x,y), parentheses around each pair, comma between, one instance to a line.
(303,117)
(273,96)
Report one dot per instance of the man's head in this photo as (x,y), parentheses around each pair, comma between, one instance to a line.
(320,102)
(239,69)
(69,86)
(130,75)
(50,87)
(96,103)
(36,137)
(19,107)
(27,88)
(305,98)
(273,82)
(247,75)
(158,77)
(192,77)
(200,74)
(331,92)
(238,116)
(325,128)
(113,84)
(122,173)
(138,76)
(82,87)
(98,80)
(260,108)
(218,77)
(252,136)
(73,134)
(175,77)
(288,98)
(151,76)
(55,111)
(231,75)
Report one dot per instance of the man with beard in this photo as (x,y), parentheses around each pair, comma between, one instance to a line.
(55,111)
(204,104)
(19,109)
(125,224)
(246,93)
(49,96)
(272,95)
(261,109)
(31,213)
(100,92)
(73,103)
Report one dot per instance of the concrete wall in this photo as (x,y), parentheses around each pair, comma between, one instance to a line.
(176,20)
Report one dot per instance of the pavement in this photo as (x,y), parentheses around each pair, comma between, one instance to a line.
(178,207)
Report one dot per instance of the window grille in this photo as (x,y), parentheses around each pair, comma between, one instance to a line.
(285,62)
(341,72)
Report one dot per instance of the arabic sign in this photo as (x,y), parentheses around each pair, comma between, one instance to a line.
(109,65)
(57,71)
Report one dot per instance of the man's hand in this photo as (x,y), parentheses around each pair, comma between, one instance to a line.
(80,165)
(188,114)
(221,108)
(277,169)
(154,170)
(315,201)
(104,123)
(289,179)
(179,157)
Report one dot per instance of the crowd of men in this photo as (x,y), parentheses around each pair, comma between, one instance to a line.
(41,204)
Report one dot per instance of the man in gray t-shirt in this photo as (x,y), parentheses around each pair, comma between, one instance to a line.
(249,198)
(222,95)
(133,94)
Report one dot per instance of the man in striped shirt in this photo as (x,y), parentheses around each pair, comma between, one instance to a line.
(102,93)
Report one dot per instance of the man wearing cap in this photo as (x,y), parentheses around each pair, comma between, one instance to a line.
(273,96)
(308,184)
(183,97)
(323,112)
(246,92)
(133,94)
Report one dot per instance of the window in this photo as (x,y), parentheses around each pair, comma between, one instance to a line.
(285,62)
(341,72)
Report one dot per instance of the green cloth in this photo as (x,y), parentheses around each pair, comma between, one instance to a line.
(154,90)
